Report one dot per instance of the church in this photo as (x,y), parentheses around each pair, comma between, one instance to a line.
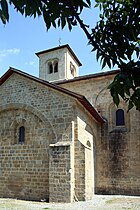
(62,139)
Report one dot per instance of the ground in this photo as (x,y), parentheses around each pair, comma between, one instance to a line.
(99,202)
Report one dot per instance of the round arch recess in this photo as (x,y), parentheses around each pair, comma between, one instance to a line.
(33,111)
(28,159)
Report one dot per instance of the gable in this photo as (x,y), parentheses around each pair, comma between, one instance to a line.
(18,89)
(18,77)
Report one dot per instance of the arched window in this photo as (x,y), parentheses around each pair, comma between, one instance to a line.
(120,117)
(21,135)
(50,68)
(55,66)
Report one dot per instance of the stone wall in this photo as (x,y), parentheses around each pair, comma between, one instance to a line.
(24,167)
(60,169)
(64,58)
(47,116)
(85,131)
(43,65)
(117,169)
(66,155)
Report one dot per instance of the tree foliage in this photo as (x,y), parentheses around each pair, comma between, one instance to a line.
(115,38)
(55,13)
(118,35)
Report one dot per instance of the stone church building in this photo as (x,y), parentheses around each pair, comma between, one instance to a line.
(61,136)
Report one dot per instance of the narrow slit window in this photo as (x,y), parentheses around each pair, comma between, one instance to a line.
(21,135)
(120,117)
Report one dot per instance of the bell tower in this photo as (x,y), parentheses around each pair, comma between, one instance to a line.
(59,63)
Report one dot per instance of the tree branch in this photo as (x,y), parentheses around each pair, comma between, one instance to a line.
(83,27)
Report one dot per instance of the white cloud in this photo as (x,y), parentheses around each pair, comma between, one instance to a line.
(6,52)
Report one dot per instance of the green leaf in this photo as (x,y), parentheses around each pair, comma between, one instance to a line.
(54,24)
(130,105)
(4,7)
(96,5)
(63,22)
(98,54)
(108,62)
(116,99)
(104,62)
(89,2)
(46,18)
(84,5)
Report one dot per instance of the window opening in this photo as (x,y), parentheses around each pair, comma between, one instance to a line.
(88,143)
(21,135)
(120,117)
(55,66)
(72,69)
(50,68)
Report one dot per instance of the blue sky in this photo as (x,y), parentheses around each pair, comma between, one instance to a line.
(22,37)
